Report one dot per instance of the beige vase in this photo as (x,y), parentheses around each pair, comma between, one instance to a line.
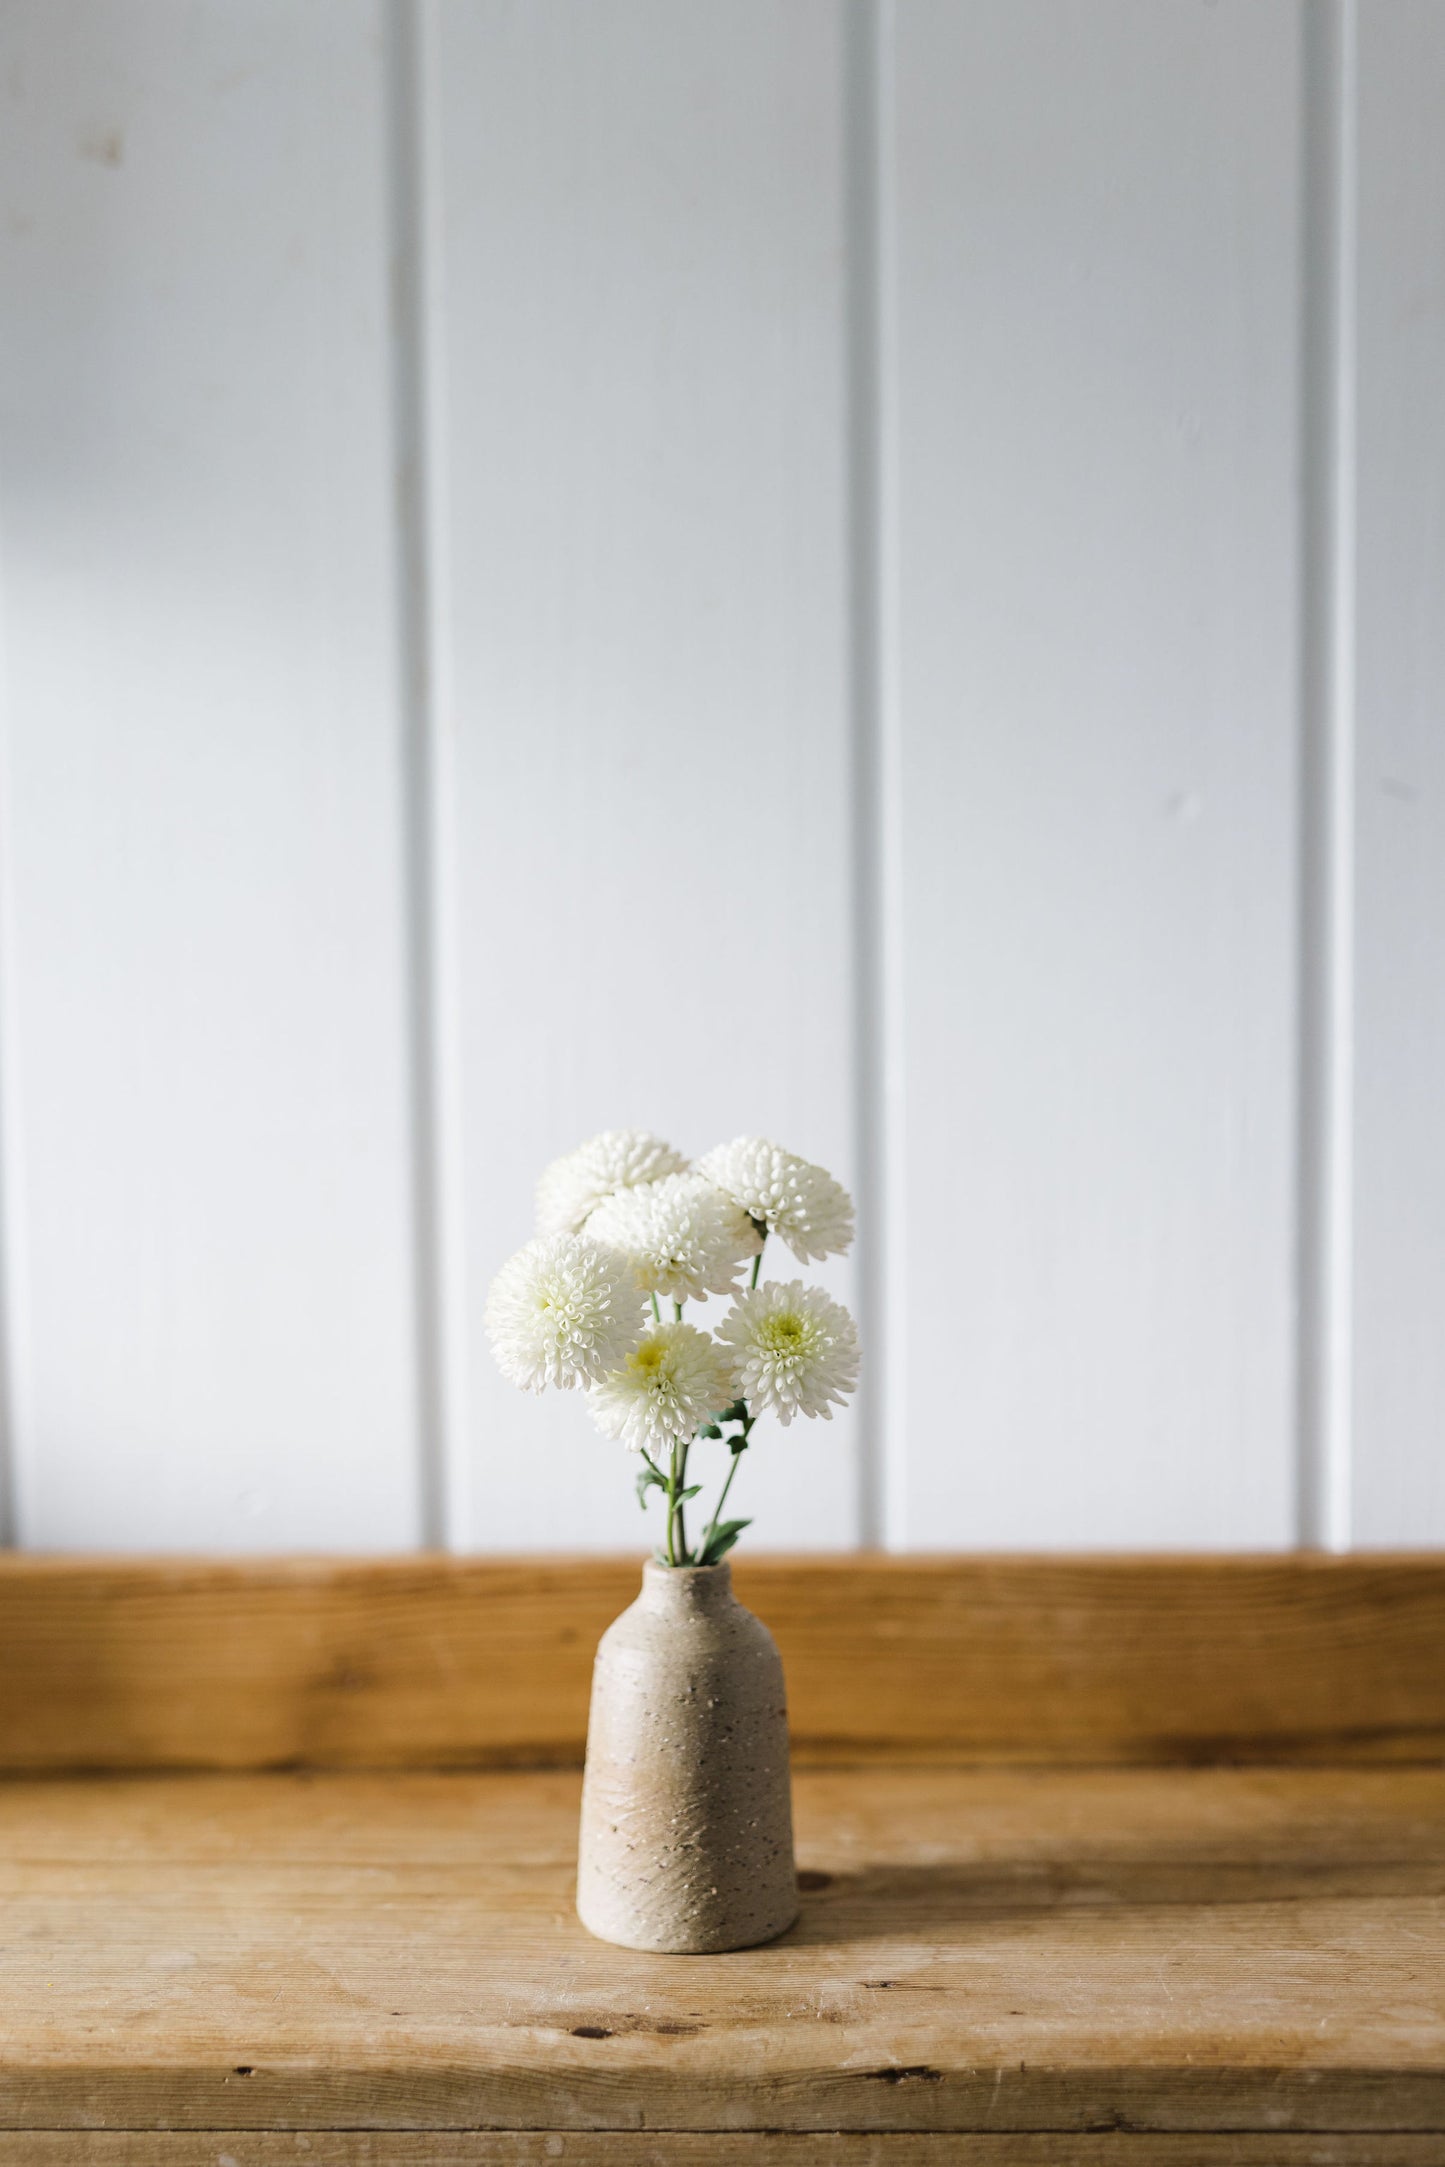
(687,1821)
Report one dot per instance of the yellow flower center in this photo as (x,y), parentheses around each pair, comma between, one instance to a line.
(785,1333)
(648,1358)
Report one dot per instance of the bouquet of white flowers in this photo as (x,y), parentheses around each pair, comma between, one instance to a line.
(627,1224)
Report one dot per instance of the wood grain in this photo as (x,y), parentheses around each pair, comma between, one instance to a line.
(698,2148)
(427,1661)
(997,1951)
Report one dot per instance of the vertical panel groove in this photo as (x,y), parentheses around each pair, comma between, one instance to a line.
(428,773)
(1325,1350)
(877,927)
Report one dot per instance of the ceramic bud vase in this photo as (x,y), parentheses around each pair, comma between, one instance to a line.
(687,1821)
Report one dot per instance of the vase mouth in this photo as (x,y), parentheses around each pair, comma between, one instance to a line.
(665,1571)
(690,1583)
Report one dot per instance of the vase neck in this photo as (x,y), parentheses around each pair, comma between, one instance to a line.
(686,1590)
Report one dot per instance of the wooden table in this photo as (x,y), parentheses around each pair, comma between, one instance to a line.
(1126,1955)
(1048,1964)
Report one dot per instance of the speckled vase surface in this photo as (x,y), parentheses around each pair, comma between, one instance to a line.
(687,1817)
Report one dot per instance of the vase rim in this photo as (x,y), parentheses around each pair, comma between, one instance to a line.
(687,1587)
(659,1569)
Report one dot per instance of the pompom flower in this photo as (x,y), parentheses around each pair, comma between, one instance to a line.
(563,1311)
(686,1239)
(796,1350)
(675,1378)
(573,1186)
(802,1203)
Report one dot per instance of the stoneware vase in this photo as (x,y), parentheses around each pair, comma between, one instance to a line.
(687,1818)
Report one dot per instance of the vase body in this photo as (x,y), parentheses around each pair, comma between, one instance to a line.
(687,1820)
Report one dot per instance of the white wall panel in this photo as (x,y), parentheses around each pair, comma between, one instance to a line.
(639,242)
(538,592)
(1399,1057)
(208,1215)
(1096,220)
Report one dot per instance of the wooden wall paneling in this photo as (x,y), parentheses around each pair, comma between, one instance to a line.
(1399,856)
(209,1223)
(1095,219)
(639,369)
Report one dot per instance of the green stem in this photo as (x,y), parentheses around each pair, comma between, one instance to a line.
(676,1510)
(683,1557)
(738,1450)
(656,1312)
(672,1507)
(722,1500)
(677,1311)
(757,1263)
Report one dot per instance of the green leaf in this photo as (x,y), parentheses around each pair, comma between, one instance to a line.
(693,1490)
(648,1479)
(738,1412)
(738,1444)
(708,1429)
(724,1535)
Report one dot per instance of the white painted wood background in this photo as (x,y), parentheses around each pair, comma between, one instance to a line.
(870,572)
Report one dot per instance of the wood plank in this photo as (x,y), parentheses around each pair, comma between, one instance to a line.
(996,1951)
(639,210)
(209,1246)
(1095,212)
(428,1661)
(709,2148)
(1399,1058)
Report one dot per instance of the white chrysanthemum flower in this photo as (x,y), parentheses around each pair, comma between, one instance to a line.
(674,1379)
(796,1350)
(573,1186)
(802,1203)
(563,1311)
(685,1237)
